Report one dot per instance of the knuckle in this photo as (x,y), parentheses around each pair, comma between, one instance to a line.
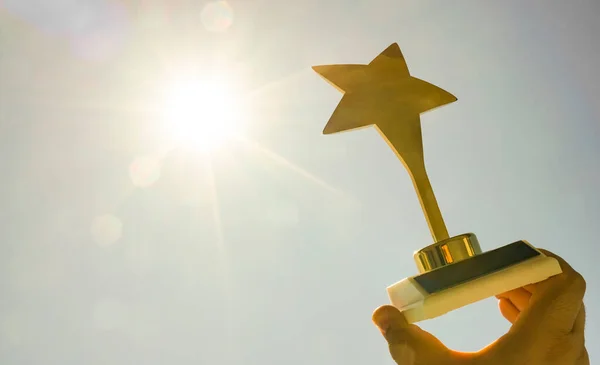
(578,282)
(578,341)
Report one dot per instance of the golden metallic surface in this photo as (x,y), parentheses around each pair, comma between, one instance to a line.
(447,252)
(384,94)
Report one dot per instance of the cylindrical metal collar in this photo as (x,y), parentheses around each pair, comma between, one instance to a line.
(447,252)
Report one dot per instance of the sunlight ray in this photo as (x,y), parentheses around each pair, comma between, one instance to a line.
(286,163)
(216,210)
(273,85)
(222,249)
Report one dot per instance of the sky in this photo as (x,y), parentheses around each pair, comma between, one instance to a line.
(120,246)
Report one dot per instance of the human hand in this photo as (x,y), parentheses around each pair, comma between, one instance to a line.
(548,320)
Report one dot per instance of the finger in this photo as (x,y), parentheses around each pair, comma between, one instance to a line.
(556,302)
(584,359)
(508,310)
(567,270)
(383,317)
(408,341)
(518,297)
(572,281)
(530,288)
(394,326)
(579,325)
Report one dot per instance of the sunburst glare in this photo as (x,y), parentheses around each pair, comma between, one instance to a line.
(202,113)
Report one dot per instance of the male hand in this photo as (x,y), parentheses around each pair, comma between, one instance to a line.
(548,320)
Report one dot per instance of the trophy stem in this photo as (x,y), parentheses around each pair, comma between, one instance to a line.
(410,152)
(432,212)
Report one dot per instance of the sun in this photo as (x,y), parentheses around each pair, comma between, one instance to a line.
(202,113)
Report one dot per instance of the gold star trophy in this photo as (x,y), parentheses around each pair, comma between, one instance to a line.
(453,271)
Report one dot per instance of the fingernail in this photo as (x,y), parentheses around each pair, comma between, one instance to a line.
(383,325)
(382,321)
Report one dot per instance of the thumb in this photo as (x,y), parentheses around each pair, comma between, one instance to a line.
(408,343)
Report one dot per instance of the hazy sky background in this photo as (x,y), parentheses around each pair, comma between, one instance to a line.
(113,253)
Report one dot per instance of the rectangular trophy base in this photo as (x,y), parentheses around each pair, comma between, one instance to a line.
(450,287)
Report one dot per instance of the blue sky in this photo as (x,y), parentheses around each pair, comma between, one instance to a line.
(277,249)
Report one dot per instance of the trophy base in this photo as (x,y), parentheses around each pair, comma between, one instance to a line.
(437,292)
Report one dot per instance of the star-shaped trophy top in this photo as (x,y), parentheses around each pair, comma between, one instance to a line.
(384,94)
